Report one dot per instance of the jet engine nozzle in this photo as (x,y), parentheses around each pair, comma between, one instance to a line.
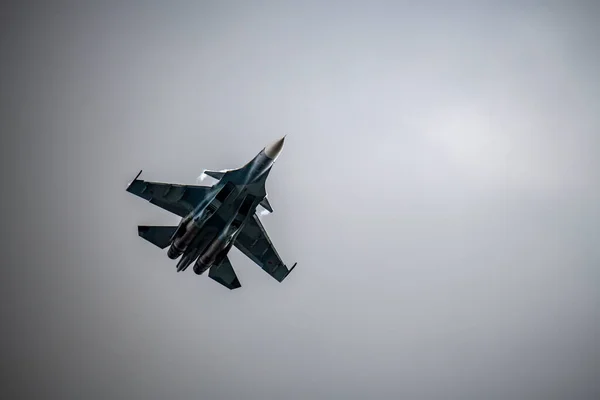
(183,239)
(200,268)
(174,252)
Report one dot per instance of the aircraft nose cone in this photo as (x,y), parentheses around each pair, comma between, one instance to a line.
(272,151)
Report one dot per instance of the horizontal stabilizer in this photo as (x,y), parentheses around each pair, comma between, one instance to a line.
(266,205)
(214,174)
(225,275)
(158,235)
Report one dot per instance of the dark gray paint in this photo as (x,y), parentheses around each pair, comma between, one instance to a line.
(446,230)
(214,218)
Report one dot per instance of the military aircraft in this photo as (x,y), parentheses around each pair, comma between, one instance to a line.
(215,218)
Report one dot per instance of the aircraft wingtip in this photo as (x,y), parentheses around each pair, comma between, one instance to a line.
(291,269)
(134,179)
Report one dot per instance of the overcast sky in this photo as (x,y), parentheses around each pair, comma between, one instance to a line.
(439,189)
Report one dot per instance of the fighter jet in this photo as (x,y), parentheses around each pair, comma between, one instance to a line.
(215,218)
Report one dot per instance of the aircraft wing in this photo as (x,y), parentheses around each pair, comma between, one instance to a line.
(175,198)
(254,242)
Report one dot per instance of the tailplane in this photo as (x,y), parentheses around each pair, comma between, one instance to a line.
(224,274)
(157,235)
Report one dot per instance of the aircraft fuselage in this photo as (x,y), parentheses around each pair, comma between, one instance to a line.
(207,233)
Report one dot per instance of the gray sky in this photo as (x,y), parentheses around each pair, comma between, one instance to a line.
(438,189)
